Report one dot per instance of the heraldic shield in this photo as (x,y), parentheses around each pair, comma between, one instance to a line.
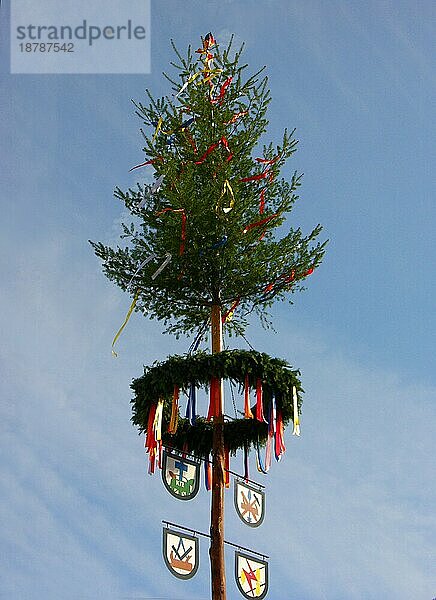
(251,575)
(181,553)
(180,475)
(249,503)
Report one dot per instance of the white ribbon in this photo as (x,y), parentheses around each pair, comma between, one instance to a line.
(295,406)
(167,260)
(152,189)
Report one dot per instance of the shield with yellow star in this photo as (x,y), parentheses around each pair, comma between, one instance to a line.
(251,575)
(249,503)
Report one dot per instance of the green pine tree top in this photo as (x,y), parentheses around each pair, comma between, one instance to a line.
(216,217)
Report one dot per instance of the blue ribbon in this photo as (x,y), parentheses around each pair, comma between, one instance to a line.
(191,406)
(260,464)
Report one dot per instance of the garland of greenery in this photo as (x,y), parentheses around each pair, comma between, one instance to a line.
(158,382)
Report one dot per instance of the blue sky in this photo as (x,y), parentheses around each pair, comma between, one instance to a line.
(351,506)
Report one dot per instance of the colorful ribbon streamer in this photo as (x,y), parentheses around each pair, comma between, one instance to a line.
(260,223)
(206,154)
(227,189)
(220,98)
(296,419)
(260,466)
(247,409)
(190,140)
(157,423)
(207,473)
(172,427)
(262,202)
(227,316)
(280,447)
(159,270)
(236,117)
(256,177)
(147,162)
(265,161)
(270,437)
(187,82)
(259,401)
(150,440)
(143,263)
(268,454)
(191,406)
(131,309)
(223,141)
(152,189)
(194,346)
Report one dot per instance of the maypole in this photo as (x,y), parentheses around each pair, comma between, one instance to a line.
(209,245)
(216,550)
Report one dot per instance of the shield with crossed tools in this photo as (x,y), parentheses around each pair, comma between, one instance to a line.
(251,575)
(180,475)
(180,552)
(249,503)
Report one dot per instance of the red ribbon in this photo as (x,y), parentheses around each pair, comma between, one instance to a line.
(231,310)
(262,202)
(206,154)
(212,147)
(190,140)
(236,117)
(225,143)
(219,99)
(214,398)
(183,232)
(147,162)
(150,439)
(255,177)
(280,447)
(288,279)
(259,223)
(247,410)
(265,161)
(259,401)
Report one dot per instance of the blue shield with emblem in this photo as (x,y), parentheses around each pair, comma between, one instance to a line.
(180,475)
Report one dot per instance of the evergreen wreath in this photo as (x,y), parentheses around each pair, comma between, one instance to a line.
(159,380)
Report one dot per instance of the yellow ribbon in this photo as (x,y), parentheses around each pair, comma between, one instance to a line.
(296,420)
(131,309)
(187,82)
(158,126)
(211,74)
(228,188)
(157,423)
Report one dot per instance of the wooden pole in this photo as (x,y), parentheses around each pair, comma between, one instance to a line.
(216,550)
